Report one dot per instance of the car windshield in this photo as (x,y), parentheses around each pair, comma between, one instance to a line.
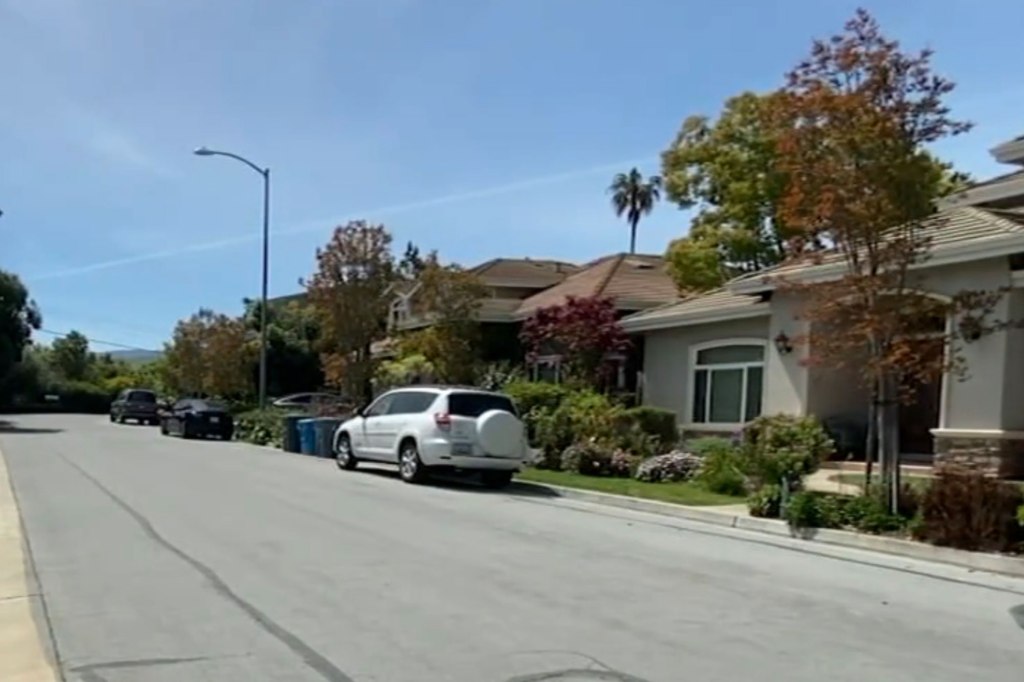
(211,406)
(475,404)
(142,397)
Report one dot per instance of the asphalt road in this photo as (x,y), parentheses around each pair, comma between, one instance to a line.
(165,560)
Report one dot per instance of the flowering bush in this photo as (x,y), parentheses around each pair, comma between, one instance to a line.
(592,458)
(674,466)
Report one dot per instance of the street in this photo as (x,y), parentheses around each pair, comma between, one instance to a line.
(161,559)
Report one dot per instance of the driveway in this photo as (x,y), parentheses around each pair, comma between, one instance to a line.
(161,559)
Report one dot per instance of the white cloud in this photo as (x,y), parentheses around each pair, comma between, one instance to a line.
(118,147)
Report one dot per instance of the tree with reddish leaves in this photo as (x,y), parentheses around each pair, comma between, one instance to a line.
(857,115)
(584,332)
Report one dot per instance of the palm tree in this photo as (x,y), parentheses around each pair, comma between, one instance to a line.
(635,197)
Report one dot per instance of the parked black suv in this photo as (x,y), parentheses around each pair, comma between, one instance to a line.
(138,404)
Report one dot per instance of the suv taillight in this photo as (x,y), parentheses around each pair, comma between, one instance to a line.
(443,420)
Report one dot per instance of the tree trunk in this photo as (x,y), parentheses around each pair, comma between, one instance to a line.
(632,236)
(888,440)
(871,444)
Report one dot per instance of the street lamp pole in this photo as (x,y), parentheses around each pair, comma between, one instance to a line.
(265,172)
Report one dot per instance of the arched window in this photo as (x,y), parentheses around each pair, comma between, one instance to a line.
(726,381)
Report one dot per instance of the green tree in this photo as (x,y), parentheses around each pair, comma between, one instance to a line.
(18,317)
(634,196)
(293,333)
(70,357)
(450,297)
(728,170)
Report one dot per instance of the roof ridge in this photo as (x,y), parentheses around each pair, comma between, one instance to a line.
(608,277)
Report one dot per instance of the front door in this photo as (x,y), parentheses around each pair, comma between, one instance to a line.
(919,414)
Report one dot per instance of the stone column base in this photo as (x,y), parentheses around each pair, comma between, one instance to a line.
(994,453)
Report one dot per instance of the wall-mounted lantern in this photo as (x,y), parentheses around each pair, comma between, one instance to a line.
(783,344)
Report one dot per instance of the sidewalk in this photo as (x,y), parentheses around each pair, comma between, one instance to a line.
(23,654)
(812,540)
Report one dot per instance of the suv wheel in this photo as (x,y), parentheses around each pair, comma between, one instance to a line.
(112,420)
(495,479)
(410,467)
(343,453)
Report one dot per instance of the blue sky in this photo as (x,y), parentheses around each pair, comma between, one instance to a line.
(480,128)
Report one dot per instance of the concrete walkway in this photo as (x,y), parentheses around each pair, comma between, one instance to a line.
(23,653)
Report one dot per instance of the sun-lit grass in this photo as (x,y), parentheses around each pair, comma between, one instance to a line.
(678,493)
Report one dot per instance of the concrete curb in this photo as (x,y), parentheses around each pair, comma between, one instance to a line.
(978,561)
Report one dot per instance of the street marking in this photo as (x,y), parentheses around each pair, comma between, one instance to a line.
(23,656)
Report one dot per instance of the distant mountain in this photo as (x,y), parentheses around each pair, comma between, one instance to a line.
(137,356)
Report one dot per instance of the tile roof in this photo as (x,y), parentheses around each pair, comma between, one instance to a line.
(702,307)
(523,271)
(951,230)
(635,281)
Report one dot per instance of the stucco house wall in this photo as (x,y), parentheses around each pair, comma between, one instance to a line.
(667,359)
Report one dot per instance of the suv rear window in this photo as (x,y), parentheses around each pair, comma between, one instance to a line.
(141,397)
(475,404)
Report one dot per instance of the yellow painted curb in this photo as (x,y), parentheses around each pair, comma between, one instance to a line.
(22,653)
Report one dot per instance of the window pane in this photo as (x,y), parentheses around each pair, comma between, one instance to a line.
(475,404)
(411,402)
(724,354)
(755,376)
(700,387)
(726,389)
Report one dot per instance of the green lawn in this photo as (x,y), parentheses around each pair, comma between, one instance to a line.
(678,493)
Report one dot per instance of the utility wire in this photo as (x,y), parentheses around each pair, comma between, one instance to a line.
(98,342)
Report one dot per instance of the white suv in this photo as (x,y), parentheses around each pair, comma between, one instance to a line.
(425,427)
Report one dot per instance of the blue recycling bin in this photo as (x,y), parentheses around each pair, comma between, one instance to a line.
(290,442)
(324,427)
(307,437)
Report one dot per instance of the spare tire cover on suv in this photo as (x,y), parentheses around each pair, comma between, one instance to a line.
(500,433)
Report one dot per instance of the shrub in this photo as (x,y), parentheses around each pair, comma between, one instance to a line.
(803,511)
(530,395)
(260,427)
(588,458)
(967,510)
(1020,515)
(580,416)
(784,449)
(868,513)
(766,503)
(624,463)
(674,466)
(82,396)
(722,466)
(656,422)
(636,441)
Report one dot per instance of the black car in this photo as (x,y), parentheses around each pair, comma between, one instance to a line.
(137,404)
(197,418)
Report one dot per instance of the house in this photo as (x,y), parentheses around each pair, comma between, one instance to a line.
(508,282)
(722,358)
(517,288)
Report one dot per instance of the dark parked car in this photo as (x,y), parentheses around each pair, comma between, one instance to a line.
(197,418)
(137,404)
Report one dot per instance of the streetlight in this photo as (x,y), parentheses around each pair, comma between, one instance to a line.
(265,172)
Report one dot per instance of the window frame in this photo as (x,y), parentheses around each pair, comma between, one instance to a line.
(693,368)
